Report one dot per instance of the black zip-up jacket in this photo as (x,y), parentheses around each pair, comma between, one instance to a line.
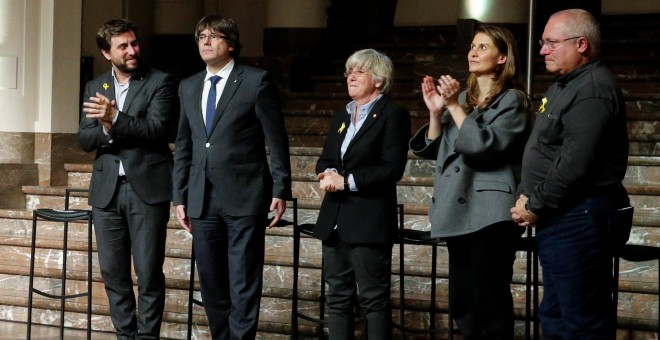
(579,145)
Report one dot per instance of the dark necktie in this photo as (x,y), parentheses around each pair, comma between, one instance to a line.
(210,104)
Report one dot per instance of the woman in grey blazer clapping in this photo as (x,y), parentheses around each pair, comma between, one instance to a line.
(477,137)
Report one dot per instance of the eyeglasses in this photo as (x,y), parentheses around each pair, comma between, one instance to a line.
(357,73)
(213,36)
(552,44)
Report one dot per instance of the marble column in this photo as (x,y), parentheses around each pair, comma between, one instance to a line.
(40,85)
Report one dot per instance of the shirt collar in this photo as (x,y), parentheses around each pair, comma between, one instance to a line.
(117,81)
(366,108)
(576,72)
(224,72)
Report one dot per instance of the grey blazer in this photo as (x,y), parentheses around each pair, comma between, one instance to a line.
(477,167)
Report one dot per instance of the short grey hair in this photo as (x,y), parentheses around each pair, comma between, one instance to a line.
(581,23)
(375,62)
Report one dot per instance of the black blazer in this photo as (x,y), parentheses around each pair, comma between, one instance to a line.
(139,138)
(376,157)
(233,157)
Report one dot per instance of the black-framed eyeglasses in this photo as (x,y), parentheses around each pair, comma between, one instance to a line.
(552,44)
(213,36)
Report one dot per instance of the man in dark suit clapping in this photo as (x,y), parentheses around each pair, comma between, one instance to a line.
(125,119)
(223,185)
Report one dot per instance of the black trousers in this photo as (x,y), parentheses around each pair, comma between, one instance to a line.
(364,270)
(480,271)
(128,226)
(229,252)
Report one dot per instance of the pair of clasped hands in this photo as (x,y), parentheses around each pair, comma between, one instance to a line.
(101,108)
(521,215)
(330,181)
(439,95)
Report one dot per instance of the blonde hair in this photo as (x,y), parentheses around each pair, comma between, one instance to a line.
(375,62)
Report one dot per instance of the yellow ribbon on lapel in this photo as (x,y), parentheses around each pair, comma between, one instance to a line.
(342,127)
(543,102)
(105,86)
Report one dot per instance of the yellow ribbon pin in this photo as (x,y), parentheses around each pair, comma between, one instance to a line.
(342,128)
(543,102)
(105,86)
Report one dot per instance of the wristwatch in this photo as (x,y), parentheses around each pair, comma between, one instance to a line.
(346,188)
(531,213)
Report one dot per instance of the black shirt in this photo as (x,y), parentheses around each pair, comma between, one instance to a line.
(579,144)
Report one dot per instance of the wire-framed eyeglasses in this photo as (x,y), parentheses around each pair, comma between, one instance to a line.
(359,73)
(552,44)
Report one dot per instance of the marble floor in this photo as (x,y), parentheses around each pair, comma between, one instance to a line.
(18,330)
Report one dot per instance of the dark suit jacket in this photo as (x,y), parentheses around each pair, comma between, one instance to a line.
(376,157)
(138,138)
(233,157)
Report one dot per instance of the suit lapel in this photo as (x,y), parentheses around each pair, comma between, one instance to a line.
(342,130)
(372,116)
(196,105)
(137,81)
(232,84)
(136,84)
(108,87)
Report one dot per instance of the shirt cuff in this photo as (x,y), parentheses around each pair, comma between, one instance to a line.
(114,120)
(351,183)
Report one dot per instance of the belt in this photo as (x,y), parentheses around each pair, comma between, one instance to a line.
(122,179)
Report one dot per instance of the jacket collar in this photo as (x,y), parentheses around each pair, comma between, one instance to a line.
(373,115)
(566,78)
(234,81)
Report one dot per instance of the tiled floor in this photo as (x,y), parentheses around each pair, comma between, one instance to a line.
(18,330)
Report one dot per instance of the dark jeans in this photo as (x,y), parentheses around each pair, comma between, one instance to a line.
(364,270)
(480,271)
(575,251)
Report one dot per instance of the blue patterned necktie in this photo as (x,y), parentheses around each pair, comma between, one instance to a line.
(210,104)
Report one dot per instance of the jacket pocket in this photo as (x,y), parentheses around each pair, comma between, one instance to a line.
(482,185)
(152,158)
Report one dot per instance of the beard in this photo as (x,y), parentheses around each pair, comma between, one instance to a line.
(125,68)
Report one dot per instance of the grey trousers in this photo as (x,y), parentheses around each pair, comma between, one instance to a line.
(129,227)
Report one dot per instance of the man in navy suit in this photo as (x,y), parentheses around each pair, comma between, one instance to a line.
(125,119)
(223,185)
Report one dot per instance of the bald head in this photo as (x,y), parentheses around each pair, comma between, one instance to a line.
(571,38)
(580,23)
